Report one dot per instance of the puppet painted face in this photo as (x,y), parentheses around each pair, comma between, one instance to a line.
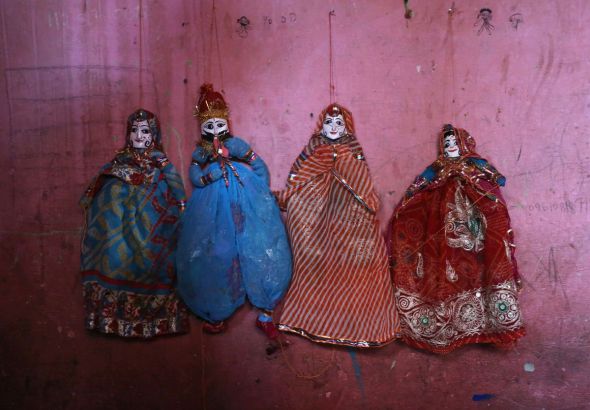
(333,127)
(450,147)
(141,135)
(214,127)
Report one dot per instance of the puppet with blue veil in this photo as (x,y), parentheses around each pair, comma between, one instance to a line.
(132,210)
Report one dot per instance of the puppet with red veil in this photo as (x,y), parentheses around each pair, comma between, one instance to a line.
(452,253)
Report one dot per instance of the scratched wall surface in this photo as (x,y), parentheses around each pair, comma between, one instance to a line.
(73,70)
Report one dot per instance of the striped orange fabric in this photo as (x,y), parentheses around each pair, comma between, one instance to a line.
(341,290)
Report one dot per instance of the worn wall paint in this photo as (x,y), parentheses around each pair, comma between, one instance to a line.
(73,70)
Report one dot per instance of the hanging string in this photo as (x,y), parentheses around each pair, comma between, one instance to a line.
(140,53)
(198,43)
(207,61)
(449,100)
(332,86)
(213,35)
(209,52)
(203,376)
(313,372)
(217,46)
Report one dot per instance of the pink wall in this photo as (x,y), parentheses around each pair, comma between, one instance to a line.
(71,75)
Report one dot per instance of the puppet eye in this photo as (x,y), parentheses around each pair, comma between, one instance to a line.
(133,129)
(145,131)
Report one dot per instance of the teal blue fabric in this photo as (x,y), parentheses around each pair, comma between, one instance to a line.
(133,210)
(131,228)
(485,166)
(428,174)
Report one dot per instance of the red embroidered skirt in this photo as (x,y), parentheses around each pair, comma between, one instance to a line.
(453,268)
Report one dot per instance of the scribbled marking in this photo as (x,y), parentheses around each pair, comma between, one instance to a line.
(578,205)
(551,272)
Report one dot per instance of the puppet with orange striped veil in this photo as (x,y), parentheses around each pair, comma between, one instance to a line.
(341,291)
(452,253)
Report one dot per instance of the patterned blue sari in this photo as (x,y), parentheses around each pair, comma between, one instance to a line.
(128,252)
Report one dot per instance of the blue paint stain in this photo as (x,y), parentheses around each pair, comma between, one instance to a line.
(357,371)
(480,397)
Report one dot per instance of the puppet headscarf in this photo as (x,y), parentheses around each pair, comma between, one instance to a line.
(465,142)
(335,109)
(144,115)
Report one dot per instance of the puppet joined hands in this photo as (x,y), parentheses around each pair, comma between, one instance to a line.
(159,159)
(237,148)
(215,171)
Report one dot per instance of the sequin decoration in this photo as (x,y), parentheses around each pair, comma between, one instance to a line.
(420,266)
(465,225)
(505,308)
(508,251)
(489,310)
(451,274)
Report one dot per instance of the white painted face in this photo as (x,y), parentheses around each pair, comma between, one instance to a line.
(141,135)
(214,127)
(333,127)
(451,149)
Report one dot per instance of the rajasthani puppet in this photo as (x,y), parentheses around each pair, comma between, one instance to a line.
(133,208)
(233,243)
(341,291)
(453,254)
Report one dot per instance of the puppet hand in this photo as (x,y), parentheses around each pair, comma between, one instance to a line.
(200,155)
(342,151)
(237,148)
(322,158)
(159,159)
(214,171)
